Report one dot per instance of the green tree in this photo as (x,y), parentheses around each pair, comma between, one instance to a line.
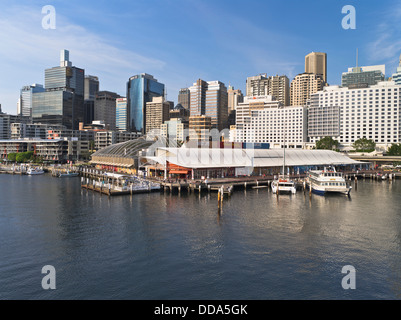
(12,157)
(364,145)
(394,150)
(327,143)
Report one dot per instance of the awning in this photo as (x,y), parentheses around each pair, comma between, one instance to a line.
(179,171)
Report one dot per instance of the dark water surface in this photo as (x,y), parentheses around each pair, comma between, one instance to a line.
(162,246)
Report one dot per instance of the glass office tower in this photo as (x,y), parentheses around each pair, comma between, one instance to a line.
(141,88)
(63,101)
(121,114)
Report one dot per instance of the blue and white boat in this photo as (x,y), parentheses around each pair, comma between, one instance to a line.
(328,181)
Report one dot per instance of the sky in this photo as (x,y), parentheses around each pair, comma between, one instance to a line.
(180,41)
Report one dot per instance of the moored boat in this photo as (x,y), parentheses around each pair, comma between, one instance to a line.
(283,185)
(328,181)
(34,171)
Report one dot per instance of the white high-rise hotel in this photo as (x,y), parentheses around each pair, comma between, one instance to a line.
(262,119)
(348,114)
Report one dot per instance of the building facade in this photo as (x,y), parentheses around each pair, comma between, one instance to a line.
(121,114)
(105,108)
(184,98)
(265,120)
(141,89)
(199,128)
(210,99)
(397,76)
(369,75)
(235,96)
(157,111)
(25,102)
(316,62)
(303,86)
(276,86)
(346,114)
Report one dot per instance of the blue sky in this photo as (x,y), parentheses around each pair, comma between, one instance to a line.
(179,41)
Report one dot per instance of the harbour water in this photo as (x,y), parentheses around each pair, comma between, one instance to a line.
(170,246)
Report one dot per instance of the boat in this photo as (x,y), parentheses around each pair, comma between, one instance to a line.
(328,181)
(68,174)
(34,171)
(283,185)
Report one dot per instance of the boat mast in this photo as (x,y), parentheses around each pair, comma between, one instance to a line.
(284,153)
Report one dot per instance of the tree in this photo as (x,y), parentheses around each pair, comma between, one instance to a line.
(394,150)
(327,143)
(12,157)
(364,145)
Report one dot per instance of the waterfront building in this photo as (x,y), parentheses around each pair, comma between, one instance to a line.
(346,114)
(105,108)
(105,138)
(316,62)
(397,76)
(210,99)
(369,75)
(184,98)
(276,86)
(303,85)
(235,96)
(121,114)
(6,121)
(157,112)
(141,89)
(25,101)
(62,102)
(265,120)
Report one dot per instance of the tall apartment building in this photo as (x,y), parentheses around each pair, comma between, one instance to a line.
(157,111)
(141,89)
(25,101)
(303,86)
(316,62)
(235,96)
(62,102)
(174,129)
(210,99)
(184,98)
(276,86)
(346,114)
(369,75)
(121,114)
(105,108)
(265,120)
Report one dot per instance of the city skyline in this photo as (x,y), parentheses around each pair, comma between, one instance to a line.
(235,41)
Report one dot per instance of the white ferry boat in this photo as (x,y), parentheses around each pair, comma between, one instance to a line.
(283,185)
(34,171)
(328,181)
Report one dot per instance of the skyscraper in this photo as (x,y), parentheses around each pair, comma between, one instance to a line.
(303,86)
(316,62)
(141,89)
(105,108)
(62,102)
(367,76)
(91,88)
(157,111)
(397,75)
(121,114)
(184,98)
(235,96)
(277,86)
(210,99)
(25,101)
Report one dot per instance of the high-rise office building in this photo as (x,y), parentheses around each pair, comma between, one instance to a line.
(141,88)
(62,102)
(276,86)
(199,127)
(235,96)
(184,98)
(210,99)
(397,76)
(121,114)
(25,101)
(105,108)
(316,62)
(91,88)
(368,75)
(157,111)
(303,86)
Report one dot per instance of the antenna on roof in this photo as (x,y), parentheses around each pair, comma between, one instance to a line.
(357,57)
